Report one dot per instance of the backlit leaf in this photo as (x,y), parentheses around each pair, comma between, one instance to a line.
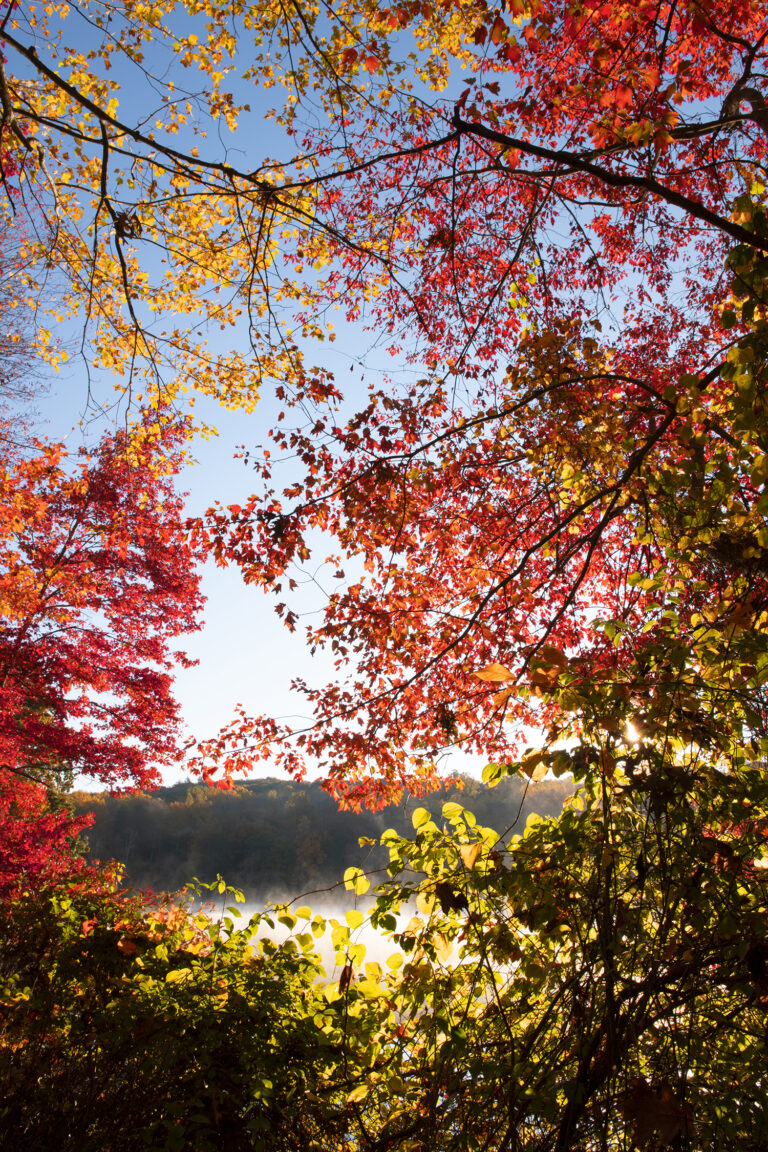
(470,853)
(493,673)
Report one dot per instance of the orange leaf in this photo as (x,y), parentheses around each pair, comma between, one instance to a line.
(346,978)
(549,654)
(469,853)
(499,31)
(494,674)
(654,1113)
(534,766)
(607,763)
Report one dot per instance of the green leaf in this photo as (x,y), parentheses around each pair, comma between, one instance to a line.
(493,773)
(420,817)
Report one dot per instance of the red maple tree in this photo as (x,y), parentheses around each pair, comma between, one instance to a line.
(97,580)
(553,244)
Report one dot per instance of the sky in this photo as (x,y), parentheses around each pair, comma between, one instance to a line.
(245,654)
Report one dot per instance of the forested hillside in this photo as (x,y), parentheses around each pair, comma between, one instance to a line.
(274,838)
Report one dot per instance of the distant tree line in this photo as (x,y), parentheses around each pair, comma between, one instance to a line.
(274,838)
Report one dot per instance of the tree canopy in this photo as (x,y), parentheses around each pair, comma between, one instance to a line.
(588,443)
(97,581)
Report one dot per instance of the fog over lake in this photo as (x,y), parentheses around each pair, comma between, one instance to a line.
(378,944)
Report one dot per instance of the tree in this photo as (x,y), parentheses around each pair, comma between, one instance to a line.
(557,449)
(128,1023)
(580,986)
(566,530)
(97,580)
(521,1007)
(40,836)
(146,243)
(103,182)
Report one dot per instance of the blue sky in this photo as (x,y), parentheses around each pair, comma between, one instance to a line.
(245,654)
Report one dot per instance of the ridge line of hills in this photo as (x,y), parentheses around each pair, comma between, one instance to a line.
(275,838)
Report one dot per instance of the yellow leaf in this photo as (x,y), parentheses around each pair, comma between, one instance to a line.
(178,975)
(425,902)
(356,881)
(534,766)
(443,947)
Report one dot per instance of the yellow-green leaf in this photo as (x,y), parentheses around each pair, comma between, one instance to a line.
(356,881)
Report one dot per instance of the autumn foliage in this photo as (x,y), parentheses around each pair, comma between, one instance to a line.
(578,262)
(542,541)
(98,581)
(38,842)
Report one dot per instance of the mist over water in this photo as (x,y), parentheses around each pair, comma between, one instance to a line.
(378,944)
